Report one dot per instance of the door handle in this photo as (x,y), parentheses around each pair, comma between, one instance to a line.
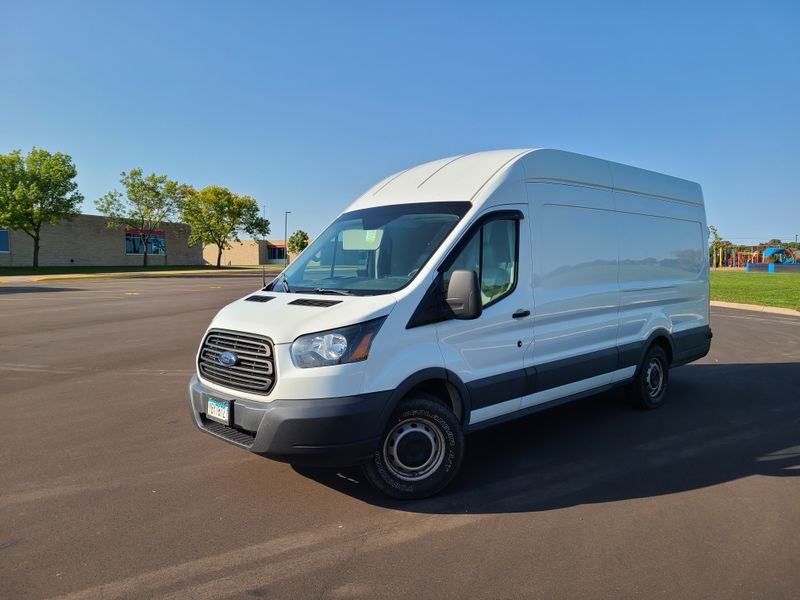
(521,313)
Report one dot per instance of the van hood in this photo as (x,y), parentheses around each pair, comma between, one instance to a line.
(283,317)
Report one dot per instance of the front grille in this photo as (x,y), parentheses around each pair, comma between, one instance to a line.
(237,436)
(254,370)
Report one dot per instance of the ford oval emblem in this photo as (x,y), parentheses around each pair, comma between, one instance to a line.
(227,358)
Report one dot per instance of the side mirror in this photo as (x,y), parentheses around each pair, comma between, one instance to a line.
(464,295)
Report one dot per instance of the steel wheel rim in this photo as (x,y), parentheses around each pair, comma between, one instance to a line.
(402,433)
(654,377)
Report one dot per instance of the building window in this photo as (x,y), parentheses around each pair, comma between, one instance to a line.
(4,247)
(276,253)
(156,243)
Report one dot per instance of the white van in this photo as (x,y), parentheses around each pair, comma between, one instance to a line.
(453,296)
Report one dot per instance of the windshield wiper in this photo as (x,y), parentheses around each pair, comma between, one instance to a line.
(332,291)
(285,284)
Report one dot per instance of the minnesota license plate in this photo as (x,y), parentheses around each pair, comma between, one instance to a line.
(219,411)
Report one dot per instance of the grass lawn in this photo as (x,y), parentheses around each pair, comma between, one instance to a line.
(768,289)
(8,271)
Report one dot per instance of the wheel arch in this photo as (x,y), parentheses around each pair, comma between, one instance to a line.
(437,381)
(661,337)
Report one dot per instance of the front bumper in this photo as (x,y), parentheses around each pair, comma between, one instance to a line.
(338,432)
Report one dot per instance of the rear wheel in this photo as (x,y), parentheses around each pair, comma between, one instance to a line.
(649,388)
(420,451)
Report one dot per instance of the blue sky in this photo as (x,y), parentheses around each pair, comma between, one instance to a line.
(304,105)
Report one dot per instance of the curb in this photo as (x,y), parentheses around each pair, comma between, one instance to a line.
(757,308)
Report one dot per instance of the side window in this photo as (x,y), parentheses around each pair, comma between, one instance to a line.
(499,265)
(492,253)
(469,259)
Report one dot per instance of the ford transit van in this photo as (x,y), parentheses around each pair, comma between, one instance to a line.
(453,296)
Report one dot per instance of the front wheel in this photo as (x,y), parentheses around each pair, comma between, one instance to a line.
(649,388)
(420,451)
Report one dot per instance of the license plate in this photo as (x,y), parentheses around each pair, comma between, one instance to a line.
(219,410)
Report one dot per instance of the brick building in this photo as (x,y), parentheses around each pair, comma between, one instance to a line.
(87,241)
(249,252)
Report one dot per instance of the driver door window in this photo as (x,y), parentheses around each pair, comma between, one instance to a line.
(492,253)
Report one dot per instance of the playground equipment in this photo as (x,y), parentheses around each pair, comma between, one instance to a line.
(780,256)
(733,257)
(776,260)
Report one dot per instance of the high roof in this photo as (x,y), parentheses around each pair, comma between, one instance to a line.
(473,176)
(454,178)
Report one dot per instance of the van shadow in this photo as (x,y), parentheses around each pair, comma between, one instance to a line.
(720,423)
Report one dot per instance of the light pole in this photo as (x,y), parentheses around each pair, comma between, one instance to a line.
(286,238)
(264,245)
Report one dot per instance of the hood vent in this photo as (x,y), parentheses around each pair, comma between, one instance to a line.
(314,302)
(258,298)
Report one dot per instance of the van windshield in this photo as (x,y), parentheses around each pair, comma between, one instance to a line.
(373,250)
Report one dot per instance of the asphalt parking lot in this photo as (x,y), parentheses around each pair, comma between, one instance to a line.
(107,490)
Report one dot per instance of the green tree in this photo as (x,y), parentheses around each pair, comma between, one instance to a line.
(147,203)
(712,230)
(37,189)
(716,242)
(217,216)
(297,242)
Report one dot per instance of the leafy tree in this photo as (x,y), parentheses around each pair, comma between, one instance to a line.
(297,242)
(37,189)
(712,230)
(716,242)
(217,216)
(147,203)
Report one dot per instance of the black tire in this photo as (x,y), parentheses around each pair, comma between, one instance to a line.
(649,388)
(420,451)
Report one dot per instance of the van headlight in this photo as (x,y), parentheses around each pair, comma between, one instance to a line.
(335,346)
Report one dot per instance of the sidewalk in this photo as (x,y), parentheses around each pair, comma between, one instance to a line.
(133,274)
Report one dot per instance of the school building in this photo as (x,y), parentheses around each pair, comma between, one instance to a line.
(249,252)
(88,241)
